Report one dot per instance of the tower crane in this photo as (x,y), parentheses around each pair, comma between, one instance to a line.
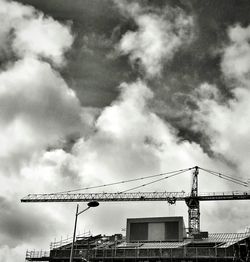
(191,199)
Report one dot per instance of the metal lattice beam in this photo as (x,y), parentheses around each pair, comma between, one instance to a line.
(194,206)
(170,197)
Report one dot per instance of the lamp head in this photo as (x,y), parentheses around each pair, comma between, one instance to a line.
(93,203)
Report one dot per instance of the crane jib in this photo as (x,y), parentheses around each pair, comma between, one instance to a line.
(170,197)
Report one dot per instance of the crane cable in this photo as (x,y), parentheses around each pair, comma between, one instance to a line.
(131,180)
(226,177)
(152,182)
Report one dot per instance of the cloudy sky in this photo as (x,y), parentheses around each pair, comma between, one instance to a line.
(93,92)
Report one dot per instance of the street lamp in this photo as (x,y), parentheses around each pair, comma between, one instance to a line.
(90,204)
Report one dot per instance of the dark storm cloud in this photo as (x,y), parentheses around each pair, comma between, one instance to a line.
(198,63)
(94,71)
(91,70)
(18,223)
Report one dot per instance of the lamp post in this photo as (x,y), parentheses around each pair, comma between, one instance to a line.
(90,204)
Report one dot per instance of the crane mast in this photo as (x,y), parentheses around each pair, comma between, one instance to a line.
(194,205)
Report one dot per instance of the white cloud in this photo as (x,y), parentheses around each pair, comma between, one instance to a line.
(160,33)
(37,108)
(227,124)
(228,128)
(236,56)
(43,37)
(132,141)
(11,14)
(27,32)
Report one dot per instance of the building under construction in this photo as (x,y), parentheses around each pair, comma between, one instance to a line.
(153,238)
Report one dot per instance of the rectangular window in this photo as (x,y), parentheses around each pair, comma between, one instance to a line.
(172,230)
(138,231)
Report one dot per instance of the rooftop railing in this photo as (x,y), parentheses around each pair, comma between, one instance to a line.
(37,254)
(68,240)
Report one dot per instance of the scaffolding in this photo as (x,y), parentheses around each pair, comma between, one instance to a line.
(217,247)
